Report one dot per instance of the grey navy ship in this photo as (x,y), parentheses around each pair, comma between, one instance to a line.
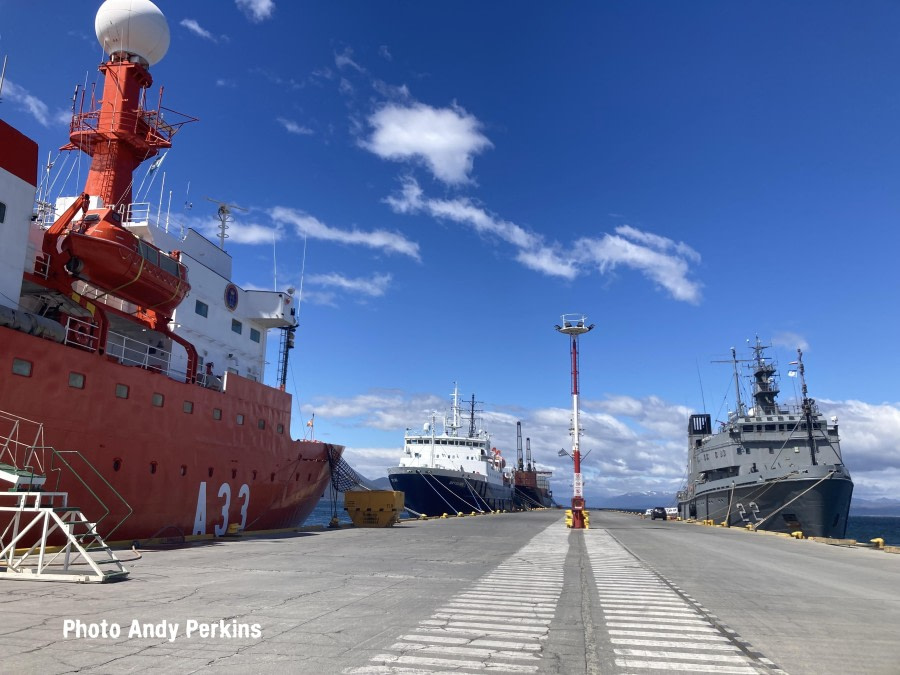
(453,469)
(771,467)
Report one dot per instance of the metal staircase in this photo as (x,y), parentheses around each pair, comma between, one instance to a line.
(32,518)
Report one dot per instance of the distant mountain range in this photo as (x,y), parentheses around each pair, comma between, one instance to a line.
(874,507)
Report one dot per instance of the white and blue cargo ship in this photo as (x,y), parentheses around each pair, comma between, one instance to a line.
(453,469)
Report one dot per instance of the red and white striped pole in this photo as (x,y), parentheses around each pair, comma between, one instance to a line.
(575,325)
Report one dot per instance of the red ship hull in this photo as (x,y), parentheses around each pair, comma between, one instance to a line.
(182,467)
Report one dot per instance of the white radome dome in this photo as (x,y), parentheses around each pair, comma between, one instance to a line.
(133,26)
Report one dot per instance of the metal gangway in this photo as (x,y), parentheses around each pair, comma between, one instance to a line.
(32,518)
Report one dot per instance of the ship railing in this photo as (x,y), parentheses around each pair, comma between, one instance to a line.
(131,352)
(80,333)
(22,443)
(141,213)
(57,457)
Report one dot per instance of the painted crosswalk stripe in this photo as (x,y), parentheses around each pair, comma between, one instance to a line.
(498,624)
(651,625)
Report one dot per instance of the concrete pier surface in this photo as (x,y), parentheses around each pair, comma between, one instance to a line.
(505,593)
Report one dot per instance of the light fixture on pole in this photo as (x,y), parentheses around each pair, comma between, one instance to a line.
(575,325)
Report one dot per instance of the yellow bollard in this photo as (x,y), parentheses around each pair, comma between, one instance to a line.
(473,513)
(797,535)
(444,515)
(879,543)
(587,520)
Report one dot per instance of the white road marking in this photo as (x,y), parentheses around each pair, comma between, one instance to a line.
(650,625)
(686,667)
(496,624)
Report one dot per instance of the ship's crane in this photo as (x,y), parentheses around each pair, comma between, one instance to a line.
(519,464)
(224,216)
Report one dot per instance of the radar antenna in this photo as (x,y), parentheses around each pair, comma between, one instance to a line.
(224,216)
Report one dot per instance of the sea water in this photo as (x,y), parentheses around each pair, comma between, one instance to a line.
(866,528)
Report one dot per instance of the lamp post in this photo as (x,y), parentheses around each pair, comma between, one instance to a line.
(574,325)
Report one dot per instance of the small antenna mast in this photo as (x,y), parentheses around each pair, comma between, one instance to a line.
(737,380)
(3,75)
(224,215)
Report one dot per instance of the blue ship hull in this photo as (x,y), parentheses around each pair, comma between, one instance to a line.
(433,492)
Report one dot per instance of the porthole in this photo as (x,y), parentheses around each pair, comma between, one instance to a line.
(184,469)
(210,472)
(239,419)
(157,400)
(121,391)
(117,464)
(217,413)
(271,477)
(261,424)
(188,407)
(153,467)
(233,474)
(254,475)
(76,380)
(21,367)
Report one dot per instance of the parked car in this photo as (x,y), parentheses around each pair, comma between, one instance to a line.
(647,513)
(658,512)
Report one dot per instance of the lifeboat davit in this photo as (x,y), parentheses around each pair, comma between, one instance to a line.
(117,261)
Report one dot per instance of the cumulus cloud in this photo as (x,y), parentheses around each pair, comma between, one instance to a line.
(634,444)
(197,29)
(663,260)
(256,10)
(445,140)
(293,127)
(307,225)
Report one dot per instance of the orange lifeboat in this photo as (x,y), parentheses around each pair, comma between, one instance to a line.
(105,254)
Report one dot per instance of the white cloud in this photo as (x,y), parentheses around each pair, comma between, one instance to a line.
(26,101)
(293,127)
(345,60)
(658,258)
(307,225)
(239,231)
(446,140)
(790,341)
(385,53)
(374,286)
(225,82)
(256,10)
(197,29)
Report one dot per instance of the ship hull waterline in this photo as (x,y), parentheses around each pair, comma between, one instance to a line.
(812,506)
(433,492)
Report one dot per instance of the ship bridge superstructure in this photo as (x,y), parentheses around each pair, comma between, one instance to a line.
(455,446)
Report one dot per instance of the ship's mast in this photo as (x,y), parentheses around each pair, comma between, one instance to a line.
(472,418)
(807,406)
(739,410)
(528,453)
(764,388)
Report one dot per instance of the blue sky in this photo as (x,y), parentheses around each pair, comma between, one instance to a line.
(688,175)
